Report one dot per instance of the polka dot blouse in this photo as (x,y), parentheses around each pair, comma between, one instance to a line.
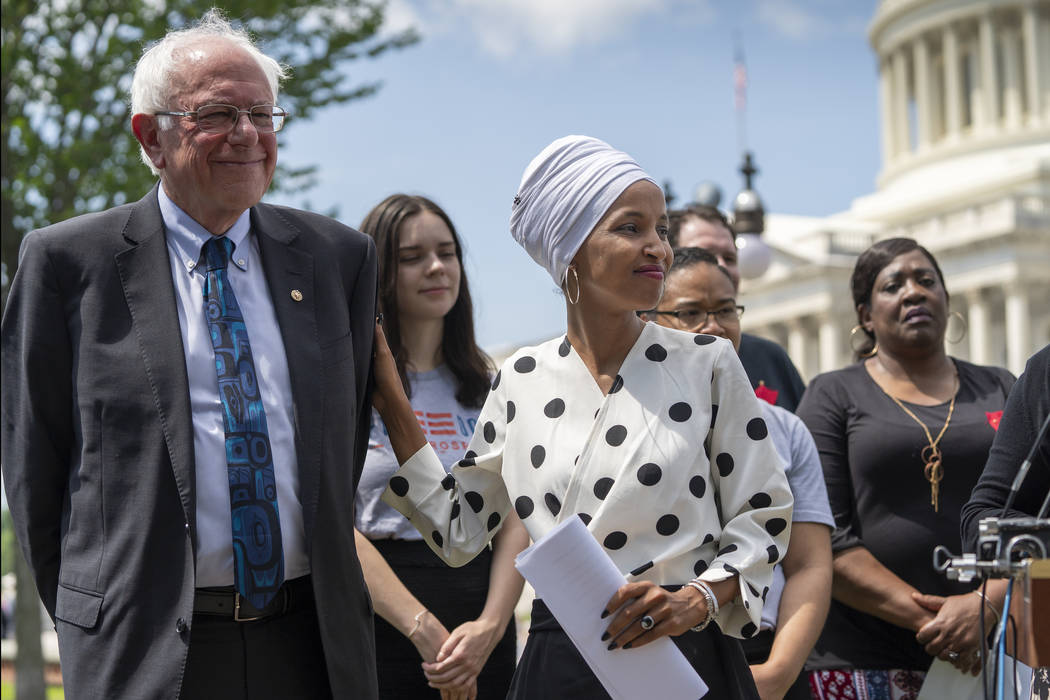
(672,470)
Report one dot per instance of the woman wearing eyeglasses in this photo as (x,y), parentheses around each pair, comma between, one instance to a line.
(651,436)
(456,622)
(699,297)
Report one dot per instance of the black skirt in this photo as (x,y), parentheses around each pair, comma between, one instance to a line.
(454,596)
(551,667)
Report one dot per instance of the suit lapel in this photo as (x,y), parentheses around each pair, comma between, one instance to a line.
(289,268)
(144,271)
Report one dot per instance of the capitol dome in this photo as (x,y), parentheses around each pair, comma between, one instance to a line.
(964,94)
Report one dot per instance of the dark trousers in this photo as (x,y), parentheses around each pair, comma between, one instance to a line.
(757,649)
(551,666)
(278,657)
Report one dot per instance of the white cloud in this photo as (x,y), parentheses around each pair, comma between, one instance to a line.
(790,20)
(399,16)
(504,27)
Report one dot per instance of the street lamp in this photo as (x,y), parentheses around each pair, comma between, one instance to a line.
(754,255)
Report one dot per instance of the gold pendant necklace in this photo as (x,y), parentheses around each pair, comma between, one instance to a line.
(931,454)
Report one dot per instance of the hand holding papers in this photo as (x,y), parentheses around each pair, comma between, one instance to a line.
(575,578)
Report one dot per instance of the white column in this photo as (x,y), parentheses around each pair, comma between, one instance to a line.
(830,340)
(889,144)
(1033,91)
(978,319)
(1018,328)
(902,134)
(989,76)
(975,97)
(952,91)
(1013,106)
(923,113)
(798,347)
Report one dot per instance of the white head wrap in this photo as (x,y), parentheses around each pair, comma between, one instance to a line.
(564,193)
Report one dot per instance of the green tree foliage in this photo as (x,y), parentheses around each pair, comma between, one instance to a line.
(67,145)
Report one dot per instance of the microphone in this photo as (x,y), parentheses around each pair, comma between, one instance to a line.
(1022,472)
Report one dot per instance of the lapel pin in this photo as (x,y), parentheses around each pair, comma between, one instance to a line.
(297,295)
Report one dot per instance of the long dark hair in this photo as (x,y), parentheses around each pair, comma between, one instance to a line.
(869,265)
(468,363)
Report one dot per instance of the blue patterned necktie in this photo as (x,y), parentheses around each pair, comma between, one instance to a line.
(258,560)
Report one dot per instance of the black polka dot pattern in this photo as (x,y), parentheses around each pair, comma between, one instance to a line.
(454,513)
(493,522)
(749,630)
(642,569)
(470,454)
(703,339)
(728,549)
(656,352)
(760,500)
(756,429)
(698,486)
(399,485)
(754,591)
(553,504)
(511,410)
(537,455)
(714,414)
(489,432)
(616,385)
(699,567)
(615,540)
(438,539)
(724,461)
(554,408)
(708,538)
(524,365)
(774,553)
(730,569)
(468,461)
(775,526)
(649,474)
(616,435)
(523,506)
(667,525)
(495,380)
(680,412)
(602,486)
(448,482)
(474,500)
(585,517)
(563,349)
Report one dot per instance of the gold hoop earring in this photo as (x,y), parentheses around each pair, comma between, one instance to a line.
(568,295)
(853,345)
(965,328)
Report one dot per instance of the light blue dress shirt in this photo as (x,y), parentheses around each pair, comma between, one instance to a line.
(185,237)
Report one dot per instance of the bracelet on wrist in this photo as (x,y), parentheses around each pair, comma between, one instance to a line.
(419,622)
(709,599)
(991,606)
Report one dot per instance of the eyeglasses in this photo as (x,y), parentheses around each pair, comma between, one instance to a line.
(220,119)
(697,318)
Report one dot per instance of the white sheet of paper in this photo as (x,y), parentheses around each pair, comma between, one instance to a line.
(945,681)
(575,578)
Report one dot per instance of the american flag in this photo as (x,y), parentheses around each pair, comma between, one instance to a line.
(740,79)
(436,423)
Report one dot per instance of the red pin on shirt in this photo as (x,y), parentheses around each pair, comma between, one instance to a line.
(770,395)
(993,418)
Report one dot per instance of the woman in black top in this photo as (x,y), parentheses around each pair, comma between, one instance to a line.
(903,436)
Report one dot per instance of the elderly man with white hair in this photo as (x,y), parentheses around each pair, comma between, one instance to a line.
(185,408)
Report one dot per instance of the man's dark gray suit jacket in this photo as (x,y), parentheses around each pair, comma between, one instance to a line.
(97,445)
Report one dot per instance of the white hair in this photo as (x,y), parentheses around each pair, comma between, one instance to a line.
(151,85)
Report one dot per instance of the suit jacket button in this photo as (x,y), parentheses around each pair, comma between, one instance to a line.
(180,625)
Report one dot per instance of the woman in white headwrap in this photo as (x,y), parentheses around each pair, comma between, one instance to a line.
(653,437)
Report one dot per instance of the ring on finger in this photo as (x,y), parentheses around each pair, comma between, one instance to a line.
(953,655)
(647,622)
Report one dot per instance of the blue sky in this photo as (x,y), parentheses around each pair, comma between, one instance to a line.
(461,113)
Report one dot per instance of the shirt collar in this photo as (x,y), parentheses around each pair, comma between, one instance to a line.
(187,236)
